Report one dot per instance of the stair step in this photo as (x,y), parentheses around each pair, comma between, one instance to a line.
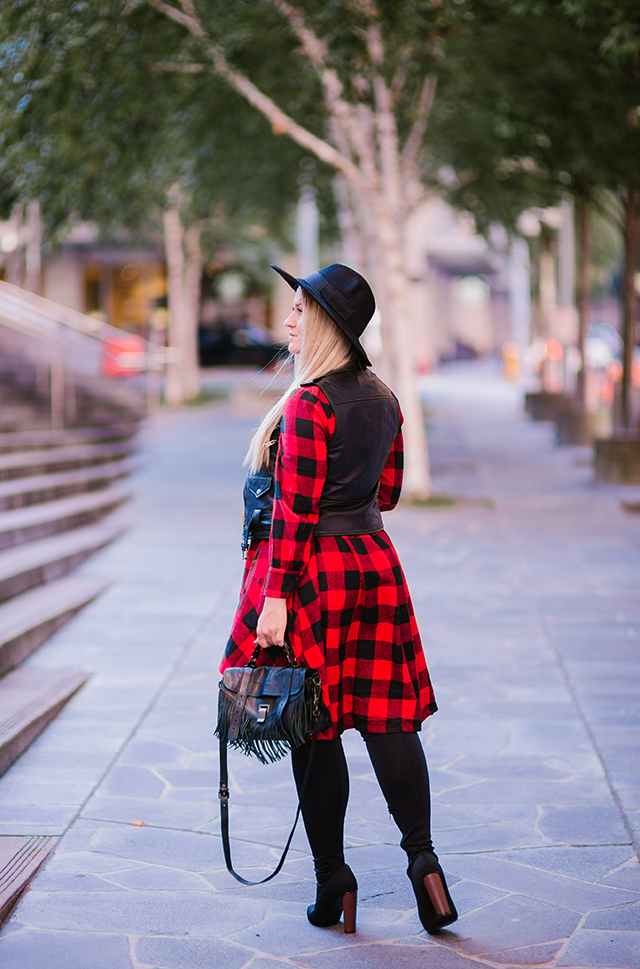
(29,565)
(22,464)
(29,700)
(27,620)
(22,492)
(47,438)
(40,521)
(20,859)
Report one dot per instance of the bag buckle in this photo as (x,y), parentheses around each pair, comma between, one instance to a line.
(263,712)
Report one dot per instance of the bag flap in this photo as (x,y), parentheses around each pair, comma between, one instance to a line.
(266,680)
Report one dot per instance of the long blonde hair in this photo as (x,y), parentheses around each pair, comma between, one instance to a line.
(324,348)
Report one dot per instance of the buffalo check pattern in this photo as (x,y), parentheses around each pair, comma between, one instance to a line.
(350,612)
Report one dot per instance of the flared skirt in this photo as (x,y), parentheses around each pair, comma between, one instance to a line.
(351,618)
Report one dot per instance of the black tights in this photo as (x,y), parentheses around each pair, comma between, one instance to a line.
(400,766)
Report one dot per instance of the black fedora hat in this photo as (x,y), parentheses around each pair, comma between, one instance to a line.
(345,295)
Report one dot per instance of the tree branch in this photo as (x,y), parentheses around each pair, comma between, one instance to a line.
(397,83)
(365,7)
(413,142)
(189,9)
(179,68)
(281,122)
(190,22)
(317,53)
(365,131)
(313,47)
(606,204)
(385,121)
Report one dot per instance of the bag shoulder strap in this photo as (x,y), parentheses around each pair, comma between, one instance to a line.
(224,795)
(224,792)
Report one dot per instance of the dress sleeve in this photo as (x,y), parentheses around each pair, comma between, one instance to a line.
(391,477)
(301,470)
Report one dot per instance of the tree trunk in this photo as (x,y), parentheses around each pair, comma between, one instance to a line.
(584,294)
(184,272)
(192,282)
(417,481)
(629,299)
(353,241)
(14,260)
(358,235)
(33,248)
(174,390)
(371,161)
(547,285)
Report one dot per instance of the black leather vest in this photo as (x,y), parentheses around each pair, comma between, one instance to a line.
(367,422)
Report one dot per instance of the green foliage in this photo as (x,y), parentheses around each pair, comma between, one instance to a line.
(534,96)
(75,133)
(607,252)
(530,106)
(95,128)
(617,20)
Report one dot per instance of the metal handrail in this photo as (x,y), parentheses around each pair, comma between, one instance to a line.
(72,343)
(22,310)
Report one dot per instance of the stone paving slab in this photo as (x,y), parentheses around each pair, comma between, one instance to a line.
(526,594)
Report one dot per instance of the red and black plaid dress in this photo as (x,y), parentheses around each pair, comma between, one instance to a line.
(350,612)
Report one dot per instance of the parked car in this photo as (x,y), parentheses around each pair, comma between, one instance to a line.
(237,343)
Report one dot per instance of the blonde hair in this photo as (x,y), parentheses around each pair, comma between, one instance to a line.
(324,348)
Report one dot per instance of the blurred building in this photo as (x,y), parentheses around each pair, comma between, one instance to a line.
(468,295)
(119,284)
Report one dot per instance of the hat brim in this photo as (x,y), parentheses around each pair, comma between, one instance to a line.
(303,284)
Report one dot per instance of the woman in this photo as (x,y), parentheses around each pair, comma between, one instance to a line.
(327,575)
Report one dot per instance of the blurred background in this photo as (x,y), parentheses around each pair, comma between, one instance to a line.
(477,160)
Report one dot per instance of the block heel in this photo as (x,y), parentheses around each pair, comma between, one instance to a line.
(435,905)
(349,902)
(338,894)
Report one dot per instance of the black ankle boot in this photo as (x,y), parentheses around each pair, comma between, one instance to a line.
(435,906)
(338,893)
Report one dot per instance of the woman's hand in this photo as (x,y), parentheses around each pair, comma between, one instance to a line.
(272,624)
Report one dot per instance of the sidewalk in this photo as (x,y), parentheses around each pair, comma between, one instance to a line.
(527,594)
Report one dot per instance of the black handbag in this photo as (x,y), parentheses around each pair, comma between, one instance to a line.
(266,711)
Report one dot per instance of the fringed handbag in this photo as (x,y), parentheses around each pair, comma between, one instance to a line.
(266,711)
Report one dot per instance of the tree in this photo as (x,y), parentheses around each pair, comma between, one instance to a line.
(618,24)
(370,70)
(531,109)
(188,161)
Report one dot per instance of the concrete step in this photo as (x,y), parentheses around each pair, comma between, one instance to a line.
(40,521)
(35,563)
(22,464)
(29,700)
(22,492)
(37,440)
(20,859)
(27,620)
(15,415)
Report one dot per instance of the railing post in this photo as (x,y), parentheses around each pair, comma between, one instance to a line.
(70,408)
(57,387)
